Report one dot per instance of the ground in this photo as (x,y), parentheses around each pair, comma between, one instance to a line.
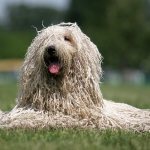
(76,138)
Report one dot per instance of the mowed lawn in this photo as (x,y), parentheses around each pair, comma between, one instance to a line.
(77,139)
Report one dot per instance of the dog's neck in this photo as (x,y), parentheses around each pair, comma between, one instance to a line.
(73,95)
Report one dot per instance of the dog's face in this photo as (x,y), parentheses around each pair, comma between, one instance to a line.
(62,52)
(60,47)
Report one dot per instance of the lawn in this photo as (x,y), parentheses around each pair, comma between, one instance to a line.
(76,138)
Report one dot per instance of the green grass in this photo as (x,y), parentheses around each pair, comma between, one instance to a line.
(138,96)
(8,94)
(77,139)
(73,139)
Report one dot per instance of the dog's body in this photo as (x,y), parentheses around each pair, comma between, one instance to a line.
(59,86)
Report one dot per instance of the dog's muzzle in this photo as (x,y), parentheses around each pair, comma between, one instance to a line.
(52,61)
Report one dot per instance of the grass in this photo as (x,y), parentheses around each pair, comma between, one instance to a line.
(77,139)
(8,93)
(138,96)
(73,139)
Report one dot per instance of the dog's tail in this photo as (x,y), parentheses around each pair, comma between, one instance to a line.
(128,117)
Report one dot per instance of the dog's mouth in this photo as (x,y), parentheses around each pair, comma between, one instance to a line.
(52,61)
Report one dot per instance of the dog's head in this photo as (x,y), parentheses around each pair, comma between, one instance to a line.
(62,65)
(62,50)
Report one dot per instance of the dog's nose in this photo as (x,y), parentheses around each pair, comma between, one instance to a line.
(51,50)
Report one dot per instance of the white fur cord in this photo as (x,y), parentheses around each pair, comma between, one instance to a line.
(73,97)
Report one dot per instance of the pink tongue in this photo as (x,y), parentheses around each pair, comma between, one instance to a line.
(54,68)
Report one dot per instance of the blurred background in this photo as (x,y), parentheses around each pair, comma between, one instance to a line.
(120,29)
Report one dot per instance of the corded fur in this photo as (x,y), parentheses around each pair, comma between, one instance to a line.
(73,99)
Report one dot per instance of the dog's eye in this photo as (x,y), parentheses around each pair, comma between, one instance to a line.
(66,38)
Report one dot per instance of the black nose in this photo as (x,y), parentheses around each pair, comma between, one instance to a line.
(51,50)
